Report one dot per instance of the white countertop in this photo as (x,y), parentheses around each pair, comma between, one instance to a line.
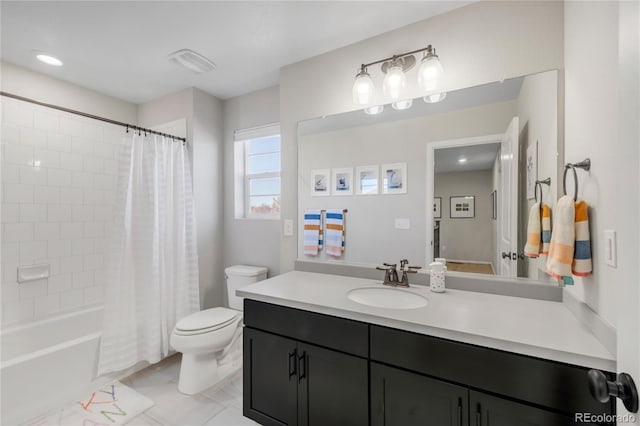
(525,326)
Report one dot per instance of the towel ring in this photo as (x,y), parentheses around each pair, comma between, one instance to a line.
(539,183)
(585,165)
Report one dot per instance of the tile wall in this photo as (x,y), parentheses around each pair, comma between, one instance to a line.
(58,184)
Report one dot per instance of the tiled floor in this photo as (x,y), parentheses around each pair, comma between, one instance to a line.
(220,405)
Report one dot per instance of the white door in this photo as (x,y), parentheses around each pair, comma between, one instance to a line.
(507,198)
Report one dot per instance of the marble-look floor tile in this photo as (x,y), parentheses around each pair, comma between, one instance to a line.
(143,420)
(164,372)
(173,408)
(230,416)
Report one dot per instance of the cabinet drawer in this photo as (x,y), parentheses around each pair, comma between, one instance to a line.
(547,383)
(323,330)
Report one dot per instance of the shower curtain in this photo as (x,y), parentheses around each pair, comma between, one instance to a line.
(152,275)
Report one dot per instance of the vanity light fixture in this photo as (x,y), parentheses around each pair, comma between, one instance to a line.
(395,80)
(48,59)
(373,110)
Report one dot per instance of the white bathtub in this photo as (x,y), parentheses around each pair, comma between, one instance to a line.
(47,364)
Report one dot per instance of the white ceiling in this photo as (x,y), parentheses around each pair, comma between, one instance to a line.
(479,157)
(120,47)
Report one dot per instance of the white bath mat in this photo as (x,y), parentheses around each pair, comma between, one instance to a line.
(114,404)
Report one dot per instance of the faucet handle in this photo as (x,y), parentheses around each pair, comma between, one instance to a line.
(392,266)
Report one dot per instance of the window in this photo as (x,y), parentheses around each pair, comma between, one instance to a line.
(258,165)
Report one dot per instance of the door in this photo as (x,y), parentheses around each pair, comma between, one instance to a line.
(400,398)
(488,410)
(270,381)
(508,200)
(333,388)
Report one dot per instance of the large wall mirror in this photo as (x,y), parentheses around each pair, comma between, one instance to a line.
(454,179)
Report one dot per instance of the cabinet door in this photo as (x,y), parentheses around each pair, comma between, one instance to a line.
(400,398)
(270,383)
(333,388)
(493,411)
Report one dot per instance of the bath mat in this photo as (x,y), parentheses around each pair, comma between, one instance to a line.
(114,404)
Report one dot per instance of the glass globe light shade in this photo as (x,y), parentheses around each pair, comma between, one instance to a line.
(435,98)
(394,82)
(363,88)
(404,104)
(373,110)
(430,72)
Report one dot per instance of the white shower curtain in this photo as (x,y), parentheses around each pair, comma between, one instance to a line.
(152,276)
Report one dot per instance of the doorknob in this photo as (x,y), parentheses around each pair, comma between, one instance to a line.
(521,256)
(624,388)
(506,255)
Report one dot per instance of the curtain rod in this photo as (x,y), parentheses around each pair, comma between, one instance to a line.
(95,117)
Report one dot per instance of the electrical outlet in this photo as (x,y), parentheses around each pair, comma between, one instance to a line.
(288,227)
(610,249)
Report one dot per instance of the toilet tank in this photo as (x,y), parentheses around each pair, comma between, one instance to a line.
(239,276)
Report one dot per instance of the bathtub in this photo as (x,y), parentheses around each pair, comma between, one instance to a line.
(47,364)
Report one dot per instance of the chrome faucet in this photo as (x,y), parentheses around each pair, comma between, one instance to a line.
(391,273)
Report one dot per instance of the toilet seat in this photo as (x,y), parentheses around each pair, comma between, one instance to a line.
(206,321)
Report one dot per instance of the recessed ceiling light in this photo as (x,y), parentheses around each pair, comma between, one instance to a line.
(462,160)
(193,61)
(49,60)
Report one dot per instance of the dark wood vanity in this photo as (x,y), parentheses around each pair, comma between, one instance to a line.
(305,368)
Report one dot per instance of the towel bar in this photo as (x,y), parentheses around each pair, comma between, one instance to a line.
(585,165)
(539,184)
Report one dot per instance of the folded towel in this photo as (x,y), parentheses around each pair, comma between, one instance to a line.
(335,232)
(582,257)
(532,247)
(546,229)
(563,240)
(311,233)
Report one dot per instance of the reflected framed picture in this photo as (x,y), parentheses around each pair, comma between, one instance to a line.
(367,180)
(342,182)
(462,207)
(320,182)
(437,208)
(532,170)
(394,178)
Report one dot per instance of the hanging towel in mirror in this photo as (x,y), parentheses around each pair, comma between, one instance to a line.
(582,256)
(312,232)
(532,247)
(563,240)
(335,233)
(546,230)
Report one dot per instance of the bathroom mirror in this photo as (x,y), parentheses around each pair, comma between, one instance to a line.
(467,166)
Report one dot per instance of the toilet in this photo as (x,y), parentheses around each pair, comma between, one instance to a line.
(211,340)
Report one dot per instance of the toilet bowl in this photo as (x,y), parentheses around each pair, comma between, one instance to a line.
(211,340)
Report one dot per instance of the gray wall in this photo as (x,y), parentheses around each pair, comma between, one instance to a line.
(248,241)
(466,239)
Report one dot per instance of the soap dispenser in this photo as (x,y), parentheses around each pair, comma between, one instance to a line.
(436,277)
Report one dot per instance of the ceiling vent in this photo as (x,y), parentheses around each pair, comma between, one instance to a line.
(192,61)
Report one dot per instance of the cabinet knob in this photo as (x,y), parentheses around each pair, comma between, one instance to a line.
(624,388)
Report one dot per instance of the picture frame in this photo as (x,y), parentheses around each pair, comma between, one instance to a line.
(394,178)
(342,181)
(462,207)
(320,183)
(437,207)
(532,170)
(494,205)
(367,181)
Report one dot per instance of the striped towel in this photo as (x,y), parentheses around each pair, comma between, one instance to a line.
(335,233)
(582,257)
(312,232)
(562,240)
(546,229)
(532,247)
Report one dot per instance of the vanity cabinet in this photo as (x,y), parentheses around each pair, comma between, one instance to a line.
(288,380)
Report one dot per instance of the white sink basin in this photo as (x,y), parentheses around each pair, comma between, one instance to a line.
(381,297)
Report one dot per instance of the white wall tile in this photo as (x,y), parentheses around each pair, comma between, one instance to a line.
(93,261)
(103,181)
(81,179)
(58,248)
(31,250)
(33,212)
(46,231)
(9,271)
(17,311)
(71,230)
(46,305)
(111,166)
(18,193)
(104,214)
(70,126)
(93,131)
(93,164)
(71,264)
(59,142)
(17,232)
(9,134)
(71,196)
(9,292)
(100,277)
(82,213)
(33,137)
(10,173)
(93,229)
(82,246)
(10,252)
(46,121)
(71,299)
(46,194)
(10,213)
(18,154)
(82,146)
(70,161)
(58,213)
(46,158)
(17,114)
(58,177)
(59,283)
(54,264)
(33,175)
(93,295)
(99,245)
(103,150)
(82,279)
(29,290)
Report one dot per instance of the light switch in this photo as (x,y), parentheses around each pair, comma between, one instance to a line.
(403,223)
(610,249)
(288,227)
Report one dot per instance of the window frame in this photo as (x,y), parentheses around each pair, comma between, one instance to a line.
(247,177)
